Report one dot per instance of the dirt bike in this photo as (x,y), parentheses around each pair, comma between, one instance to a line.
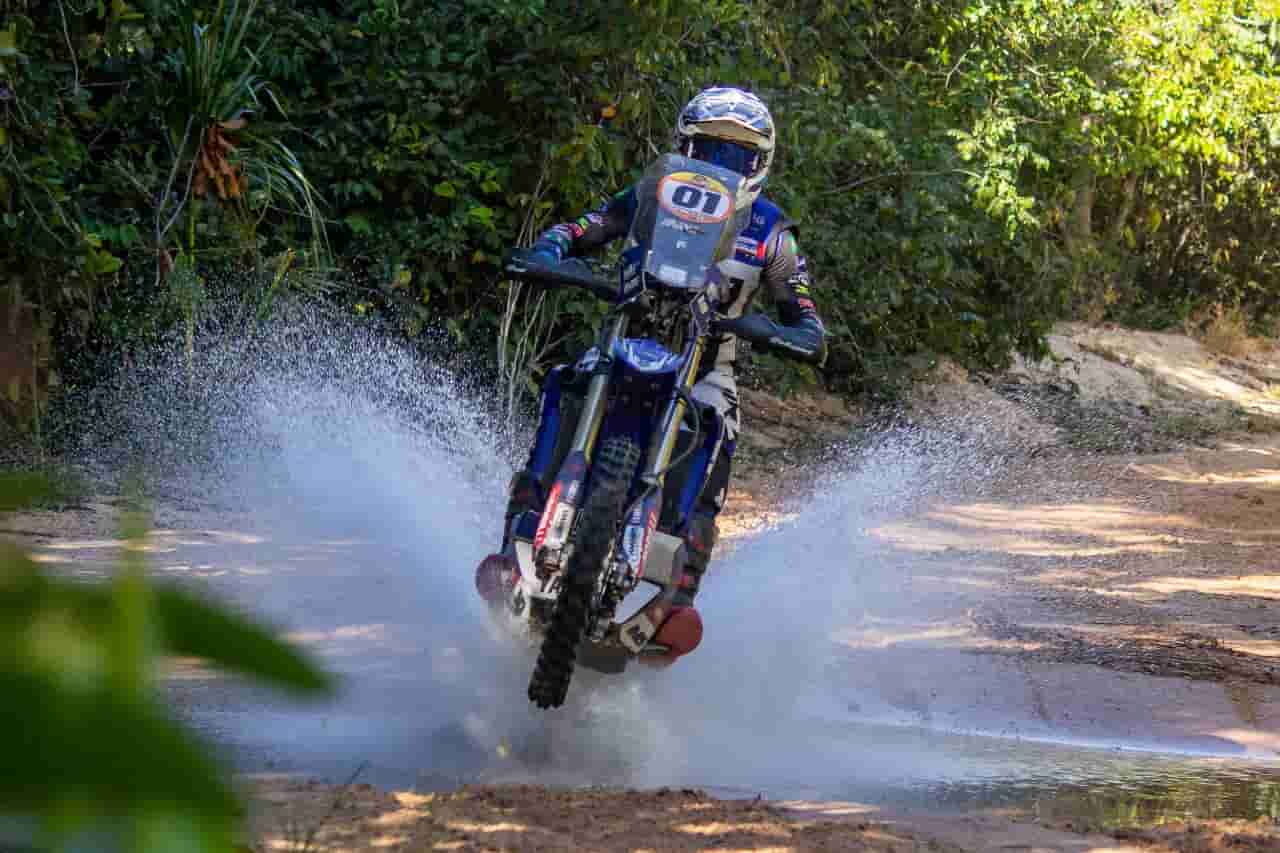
(640,448)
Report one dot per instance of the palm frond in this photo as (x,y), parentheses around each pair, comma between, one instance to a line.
(280,182)
(217,81)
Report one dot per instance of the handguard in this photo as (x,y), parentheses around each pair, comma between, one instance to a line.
(573,272)
(795,342)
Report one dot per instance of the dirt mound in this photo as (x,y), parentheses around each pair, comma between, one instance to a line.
(1110,390)
(1160,389)
(1220,836)
(949,398)
(308,816)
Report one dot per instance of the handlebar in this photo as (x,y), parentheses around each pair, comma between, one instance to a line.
(802,344)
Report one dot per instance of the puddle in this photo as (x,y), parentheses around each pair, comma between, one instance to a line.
(1094,785)
(1114,806)
(899,769)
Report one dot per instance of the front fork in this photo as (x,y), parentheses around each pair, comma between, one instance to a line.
(551,544)
(638,536)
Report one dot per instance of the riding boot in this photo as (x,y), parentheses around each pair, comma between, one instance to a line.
(681,632)
(699,541)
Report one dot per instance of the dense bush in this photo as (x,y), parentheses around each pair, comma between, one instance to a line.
(964,171)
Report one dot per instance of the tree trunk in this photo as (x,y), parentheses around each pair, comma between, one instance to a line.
(1165,277)
(1128,200)
(1079,227)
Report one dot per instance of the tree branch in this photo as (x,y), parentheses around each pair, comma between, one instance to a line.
(75,64)
(861,182)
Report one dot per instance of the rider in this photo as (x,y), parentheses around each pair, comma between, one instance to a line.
(733,129)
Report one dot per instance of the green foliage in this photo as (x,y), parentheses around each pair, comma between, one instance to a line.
(89,746)
(964,171)
(118,122)
(1153,129)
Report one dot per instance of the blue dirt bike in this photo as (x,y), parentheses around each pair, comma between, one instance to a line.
(637,449)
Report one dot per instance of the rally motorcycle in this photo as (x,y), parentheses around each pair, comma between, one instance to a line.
(629,471)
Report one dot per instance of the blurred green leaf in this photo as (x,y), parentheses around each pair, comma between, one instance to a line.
(21,490)
(87,745)
(195,628)
(99,748)
(186,626)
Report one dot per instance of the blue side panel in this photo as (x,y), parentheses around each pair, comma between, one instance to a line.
(544,444)
(700,465)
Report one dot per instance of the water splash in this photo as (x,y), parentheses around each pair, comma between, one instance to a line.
(344,485)
(372,479)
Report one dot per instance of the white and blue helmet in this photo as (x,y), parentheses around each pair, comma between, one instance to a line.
(733,129)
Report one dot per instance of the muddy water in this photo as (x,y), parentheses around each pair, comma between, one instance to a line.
(432,702)
(896,769)
(1104,787)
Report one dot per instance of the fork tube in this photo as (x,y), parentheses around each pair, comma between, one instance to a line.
(664,440)
(593,408)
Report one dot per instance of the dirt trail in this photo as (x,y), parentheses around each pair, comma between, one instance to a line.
(531,818)
(1124,596)
(303,816)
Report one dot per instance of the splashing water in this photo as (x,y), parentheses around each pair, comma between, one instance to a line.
(344,486)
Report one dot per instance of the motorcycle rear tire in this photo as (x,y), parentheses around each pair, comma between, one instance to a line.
(615,464)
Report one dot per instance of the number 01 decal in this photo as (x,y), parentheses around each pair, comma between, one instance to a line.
(695,198)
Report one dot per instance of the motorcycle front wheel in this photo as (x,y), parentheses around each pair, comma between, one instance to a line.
(615,464)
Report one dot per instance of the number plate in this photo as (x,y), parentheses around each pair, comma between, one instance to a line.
(695,198)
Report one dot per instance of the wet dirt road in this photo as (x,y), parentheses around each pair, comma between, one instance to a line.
(903,714)
(1091,638)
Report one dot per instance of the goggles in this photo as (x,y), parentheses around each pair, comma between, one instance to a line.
(728,155)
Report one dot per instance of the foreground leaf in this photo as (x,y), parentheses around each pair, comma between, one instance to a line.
(191,626)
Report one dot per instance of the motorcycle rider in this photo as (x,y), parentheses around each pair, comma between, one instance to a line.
(733,129)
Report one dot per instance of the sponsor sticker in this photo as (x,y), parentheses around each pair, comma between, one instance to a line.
(649,527)
(677,225)
(673,275)
(560,525)
(544,523)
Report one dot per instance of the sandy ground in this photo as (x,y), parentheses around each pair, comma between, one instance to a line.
(1136,593)
(302,816)
(536,819)
(1167,565)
